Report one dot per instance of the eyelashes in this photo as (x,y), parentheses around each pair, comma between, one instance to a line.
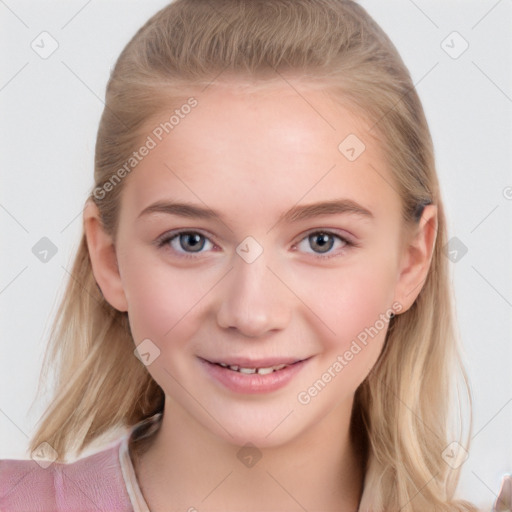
(192,244)
(324,241)
(176,241)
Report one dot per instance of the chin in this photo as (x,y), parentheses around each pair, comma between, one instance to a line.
(270,428)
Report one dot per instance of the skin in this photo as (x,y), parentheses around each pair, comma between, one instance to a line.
(253,155)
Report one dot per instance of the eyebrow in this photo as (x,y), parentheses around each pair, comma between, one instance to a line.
(181,209)
(334,207)
(295,214)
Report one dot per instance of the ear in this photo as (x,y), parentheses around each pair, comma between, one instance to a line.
(417,255)
(103,258)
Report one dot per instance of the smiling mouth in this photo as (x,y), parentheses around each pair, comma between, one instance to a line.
(261,367)
(249,371)
(245,375)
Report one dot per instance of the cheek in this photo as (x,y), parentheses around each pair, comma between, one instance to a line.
(163,302)
(350,300)
(357,306)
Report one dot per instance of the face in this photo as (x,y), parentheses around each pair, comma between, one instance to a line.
(248,241)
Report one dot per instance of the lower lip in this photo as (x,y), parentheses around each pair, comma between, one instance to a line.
(252,383)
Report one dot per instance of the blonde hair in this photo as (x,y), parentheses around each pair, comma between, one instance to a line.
(402,411)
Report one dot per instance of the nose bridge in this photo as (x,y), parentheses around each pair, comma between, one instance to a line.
(254,301)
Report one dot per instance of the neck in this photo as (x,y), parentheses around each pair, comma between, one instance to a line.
(188,466)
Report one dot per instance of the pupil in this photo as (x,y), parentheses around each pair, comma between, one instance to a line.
(322,241)
(191,242)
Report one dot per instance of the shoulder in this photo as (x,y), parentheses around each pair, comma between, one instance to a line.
(91,483)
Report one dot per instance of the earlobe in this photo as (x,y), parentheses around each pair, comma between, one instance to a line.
(417,256)
(103,258)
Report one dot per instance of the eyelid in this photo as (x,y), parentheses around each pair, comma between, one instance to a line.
(349,242)
(343,235)
(178,231)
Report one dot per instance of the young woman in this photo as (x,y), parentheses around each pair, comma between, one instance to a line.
(260,295)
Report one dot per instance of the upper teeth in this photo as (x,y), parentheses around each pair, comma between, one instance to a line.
(261,371)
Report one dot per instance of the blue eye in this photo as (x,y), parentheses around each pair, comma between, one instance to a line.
(322,242)
(186,242)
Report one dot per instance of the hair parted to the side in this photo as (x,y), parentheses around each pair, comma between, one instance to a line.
(403,409)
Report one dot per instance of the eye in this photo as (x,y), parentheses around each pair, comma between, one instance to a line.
(322,243)
(186,242)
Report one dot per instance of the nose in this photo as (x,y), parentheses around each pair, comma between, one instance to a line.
(254,301)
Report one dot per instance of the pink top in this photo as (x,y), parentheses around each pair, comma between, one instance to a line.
(104,481)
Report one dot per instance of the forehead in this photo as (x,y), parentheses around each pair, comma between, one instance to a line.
(272,148)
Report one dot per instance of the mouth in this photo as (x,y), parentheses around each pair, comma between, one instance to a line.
(250,370)
(260,366)
(251,375)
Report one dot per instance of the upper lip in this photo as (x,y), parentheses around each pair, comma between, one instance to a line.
(244,362)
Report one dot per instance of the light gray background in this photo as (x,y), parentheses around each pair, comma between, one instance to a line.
(50,110)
